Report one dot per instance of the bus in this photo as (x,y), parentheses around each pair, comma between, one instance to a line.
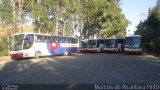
(114,45)
(121,44)
(36,45)
(83,45)
(133,44)
(95,45)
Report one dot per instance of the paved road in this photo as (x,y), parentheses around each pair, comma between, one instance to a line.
(83,68)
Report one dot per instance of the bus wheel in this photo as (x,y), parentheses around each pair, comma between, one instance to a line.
(119,51)
(37,54)
(66,53)
(141,52)
(101,50)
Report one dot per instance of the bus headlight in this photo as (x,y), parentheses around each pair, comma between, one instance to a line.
(126,46)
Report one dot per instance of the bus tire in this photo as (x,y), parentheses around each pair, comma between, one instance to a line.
(119,51)
(37,54)
(101,50)
(142,52)
(66,53)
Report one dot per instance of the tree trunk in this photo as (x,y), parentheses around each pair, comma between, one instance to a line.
(14,18)
(64,26)
(20,2)
(73,27)
(57,24)
(57,16)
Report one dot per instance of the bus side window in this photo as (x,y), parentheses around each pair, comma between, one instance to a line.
(65,40)
(49,39)
(46,39)
(60,39)
(70,40)
(74,40)
(43,38)
(55,39)
(38,38)
(28,41)
(117,43)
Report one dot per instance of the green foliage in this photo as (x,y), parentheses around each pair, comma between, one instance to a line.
(3,53)
(3,46)
(150,28)
(101,18)
(104,19)
(6,15)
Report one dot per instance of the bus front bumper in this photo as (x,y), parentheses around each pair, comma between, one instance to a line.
(91,50)
(18,55)
(83,50)
(110,50)
(137,51)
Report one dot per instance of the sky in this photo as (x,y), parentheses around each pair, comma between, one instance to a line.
(135,11)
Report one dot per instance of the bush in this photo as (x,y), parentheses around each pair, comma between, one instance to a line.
(3,46)
(4,53)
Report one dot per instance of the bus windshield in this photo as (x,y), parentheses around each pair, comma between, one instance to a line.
(137,42)
(110,43)
(83,44)
(133,42)
(16,43)
(92,43)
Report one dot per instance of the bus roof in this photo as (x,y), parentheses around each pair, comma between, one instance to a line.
(110,38)
(92,39)
(43,34)
(114,38)
(95,39)
(134,36)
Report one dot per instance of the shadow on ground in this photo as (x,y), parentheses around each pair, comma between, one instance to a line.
(88,68)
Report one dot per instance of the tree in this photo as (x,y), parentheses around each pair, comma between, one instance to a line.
(6,12)
(105,20)
(150,28)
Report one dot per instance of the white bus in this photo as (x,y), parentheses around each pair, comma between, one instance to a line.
(36,45)
(114,45)
(95,45)
(133,44)
(84,45)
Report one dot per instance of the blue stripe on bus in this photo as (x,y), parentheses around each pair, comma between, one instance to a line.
(61,50)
